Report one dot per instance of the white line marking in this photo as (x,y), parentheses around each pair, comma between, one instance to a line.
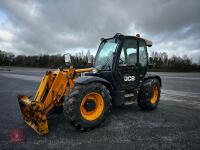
(185,78)
(22,77)
(180,93)
(171,99)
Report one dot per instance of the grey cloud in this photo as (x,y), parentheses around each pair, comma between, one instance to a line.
(54,26)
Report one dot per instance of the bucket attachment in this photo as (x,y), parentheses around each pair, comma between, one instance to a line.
(33,114)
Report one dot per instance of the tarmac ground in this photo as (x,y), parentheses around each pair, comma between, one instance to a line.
(175,124)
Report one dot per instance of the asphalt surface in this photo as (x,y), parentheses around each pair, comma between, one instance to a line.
(175,124)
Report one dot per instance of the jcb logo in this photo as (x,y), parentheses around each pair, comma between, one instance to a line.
(129,78)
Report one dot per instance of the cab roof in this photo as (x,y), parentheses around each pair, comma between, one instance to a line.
(148,42)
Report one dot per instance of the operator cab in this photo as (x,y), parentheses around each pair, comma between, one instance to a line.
(126,46)
(122,60)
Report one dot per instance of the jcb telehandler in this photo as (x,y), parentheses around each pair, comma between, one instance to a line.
(119,76)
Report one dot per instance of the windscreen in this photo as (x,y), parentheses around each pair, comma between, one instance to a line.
(105,55)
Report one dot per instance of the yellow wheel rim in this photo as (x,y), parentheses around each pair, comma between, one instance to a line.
(154,98)
(97,99)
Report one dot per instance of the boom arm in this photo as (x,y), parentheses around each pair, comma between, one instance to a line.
(53,87)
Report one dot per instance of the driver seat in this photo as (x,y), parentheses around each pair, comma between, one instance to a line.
(132,59)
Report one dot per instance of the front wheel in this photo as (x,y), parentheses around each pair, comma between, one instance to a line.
(149,95)
(88,105)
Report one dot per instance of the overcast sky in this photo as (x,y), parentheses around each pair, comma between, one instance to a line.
(49,26)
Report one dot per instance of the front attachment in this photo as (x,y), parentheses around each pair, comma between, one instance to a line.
(33,114)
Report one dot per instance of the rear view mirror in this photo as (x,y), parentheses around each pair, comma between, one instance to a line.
(67,59)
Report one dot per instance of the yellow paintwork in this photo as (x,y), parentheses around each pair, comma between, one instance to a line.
(99,106)
(54,86)
(154,98)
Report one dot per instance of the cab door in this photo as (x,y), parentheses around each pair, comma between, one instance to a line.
(127,64)
(143,59)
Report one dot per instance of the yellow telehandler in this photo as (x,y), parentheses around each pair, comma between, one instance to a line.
(119,76)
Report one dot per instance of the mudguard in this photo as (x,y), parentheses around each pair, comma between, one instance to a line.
(89,79)
(152,75)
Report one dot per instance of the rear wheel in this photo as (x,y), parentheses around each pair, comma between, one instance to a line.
(88,105)
(149,95)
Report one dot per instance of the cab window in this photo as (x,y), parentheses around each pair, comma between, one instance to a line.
(142,54)
(128,56)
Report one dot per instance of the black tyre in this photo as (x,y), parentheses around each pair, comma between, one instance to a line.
(87,106)
(149,95)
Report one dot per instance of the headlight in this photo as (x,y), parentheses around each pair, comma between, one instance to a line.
(94,70)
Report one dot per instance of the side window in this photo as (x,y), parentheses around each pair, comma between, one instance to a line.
(128,56)
(142,54)
(122,59)
(131,50)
